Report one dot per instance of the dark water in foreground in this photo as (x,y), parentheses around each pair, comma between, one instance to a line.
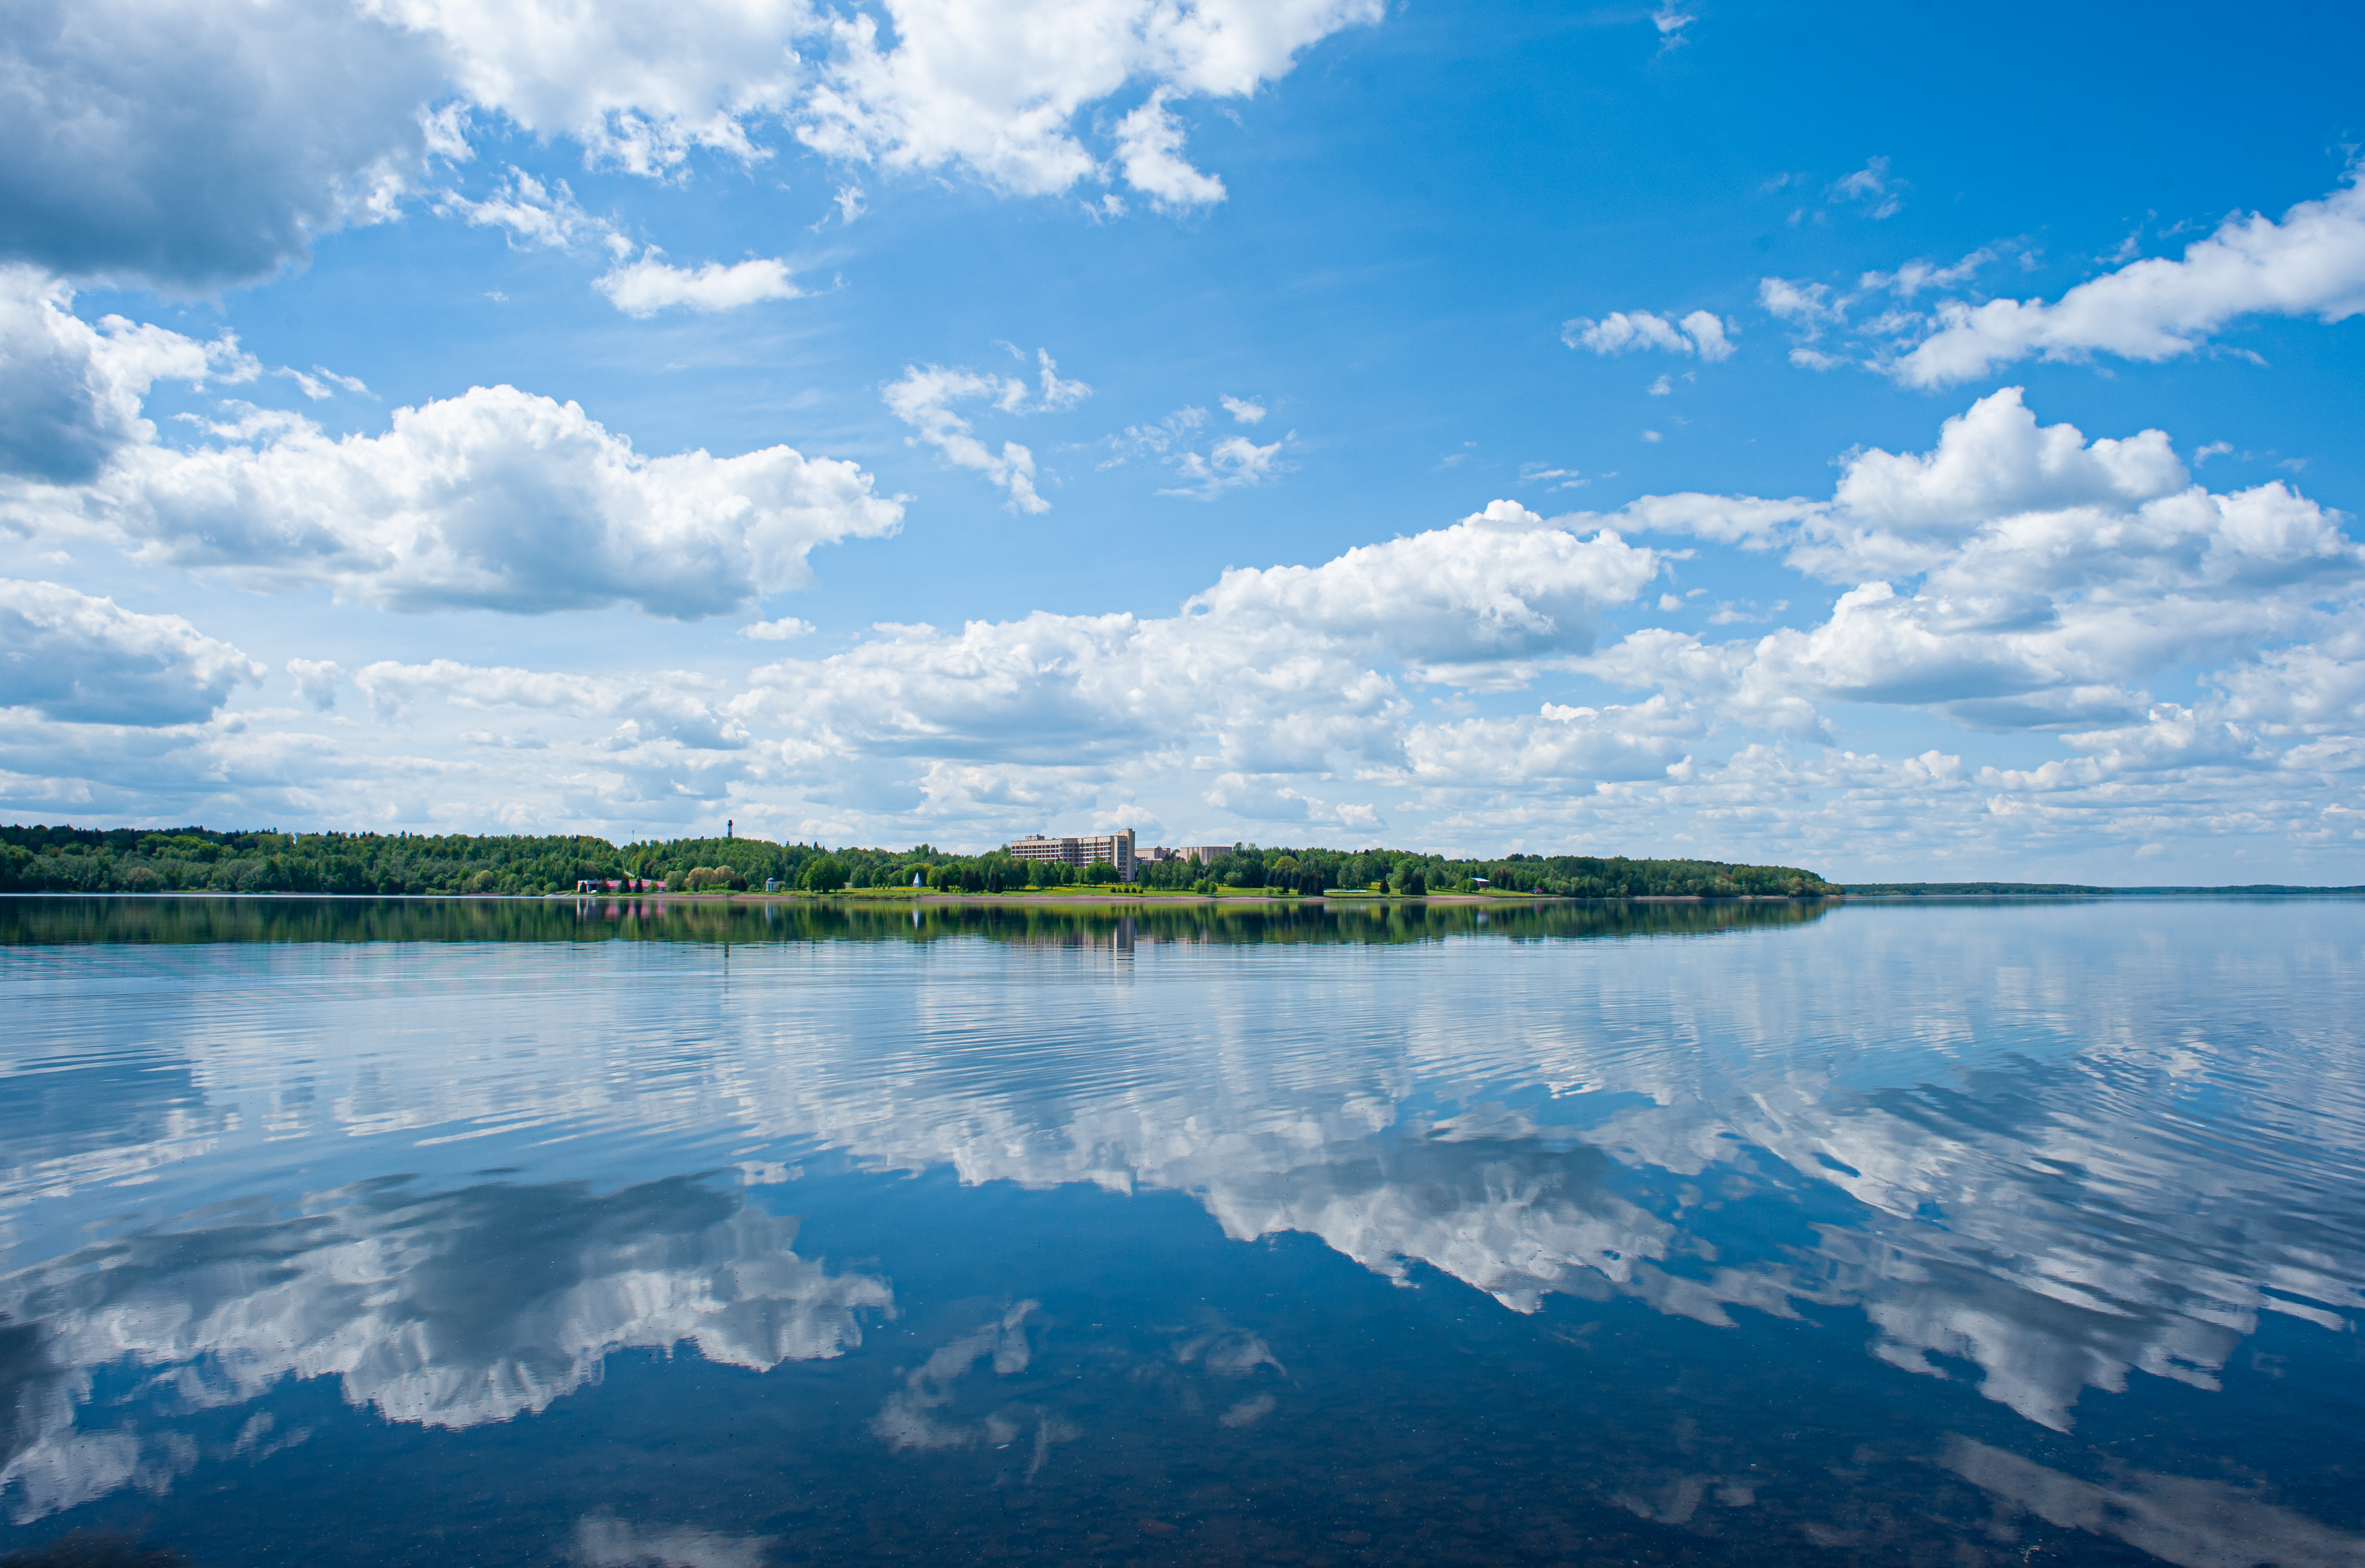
(519,1234)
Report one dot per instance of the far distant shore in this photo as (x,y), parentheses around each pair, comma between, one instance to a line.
(916,897)
(1104,895)
(934,900)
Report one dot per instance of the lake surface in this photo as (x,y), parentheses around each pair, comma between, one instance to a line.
(440,1233)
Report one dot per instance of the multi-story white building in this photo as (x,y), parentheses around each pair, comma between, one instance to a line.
(1116,849)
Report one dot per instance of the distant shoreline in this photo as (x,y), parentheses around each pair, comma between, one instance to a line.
(1893,892)
(905,898)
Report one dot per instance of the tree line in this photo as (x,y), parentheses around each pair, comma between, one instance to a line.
(1019,922)
(194,859)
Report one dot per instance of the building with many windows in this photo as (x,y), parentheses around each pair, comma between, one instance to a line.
(1116,849)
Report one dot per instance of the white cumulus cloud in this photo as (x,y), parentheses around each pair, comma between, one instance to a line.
(77,659)
(638,83)
(2311,263)
(998,87)
(648,285)
(71,393)
(190,144)
(2049,576)
(495,500)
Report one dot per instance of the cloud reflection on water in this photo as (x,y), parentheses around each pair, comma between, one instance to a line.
(2007,1141)
(447,1309)
(2191,1523)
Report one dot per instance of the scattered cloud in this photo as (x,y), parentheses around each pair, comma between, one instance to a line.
(648,285)
(1915,277)
(1871,187)
(1808,303)
(1058,395)
(1178,428)
(1812,308)
(1149,150)
(1623,332)
(1231,464)
(1552,477)
(2310,264)
(317,681)
(531,212)
(923,399)
(321,384)
(780,630)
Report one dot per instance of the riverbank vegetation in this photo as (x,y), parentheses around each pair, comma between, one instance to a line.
(72,859)
(1062,923)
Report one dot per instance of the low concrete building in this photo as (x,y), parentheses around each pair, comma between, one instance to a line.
(1116,849)
(1205,854)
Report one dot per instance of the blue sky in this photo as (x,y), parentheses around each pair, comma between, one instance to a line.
(1898,443)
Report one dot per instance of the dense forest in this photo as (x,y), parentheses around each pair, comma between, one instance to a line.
(71,860)
(1043,922)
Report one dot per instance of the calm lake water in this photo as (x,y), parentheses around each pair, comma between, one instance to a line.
(488,1233)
